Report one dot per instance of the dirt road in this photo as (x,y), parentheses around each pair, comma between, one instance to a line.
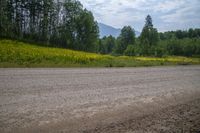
(127,100)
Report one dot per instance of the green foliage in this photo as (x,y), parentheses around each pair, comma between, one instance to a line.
(22,54)
(183,47)
(179,34)
(3,19)
(67,24)
(149,22)
(62,24)
(160,51)
(18,54)
(130,50)
(148,37)
(107,45)
(87,32)
(126,37)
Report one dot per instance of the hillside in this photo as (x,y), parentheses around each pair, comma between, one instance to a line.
(106,30)
(19,54)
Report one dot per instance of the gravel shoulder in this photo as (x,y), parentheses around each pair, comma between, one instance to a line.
(152,99)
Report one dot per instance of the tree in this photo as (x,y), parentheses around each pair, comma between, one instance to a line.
(107,45)
(45,23)
(110,43)
(71,11)
(87,32)
(78,29)
(130,50)
(127,37)
(3,18)
(63,24)
(149,35)
(149,22)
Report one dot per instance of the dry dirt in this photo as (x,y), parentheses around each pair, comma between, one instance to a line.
(88,100)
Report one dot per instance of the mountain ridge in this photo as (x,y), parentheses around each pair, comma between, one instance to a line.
(106,30)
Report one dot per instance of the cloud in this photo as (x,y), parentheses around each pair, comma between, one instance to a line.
(183,18)
(166,14)
(169,5)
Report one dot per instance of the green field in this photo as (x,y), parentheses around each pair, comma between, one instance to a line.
(19,54)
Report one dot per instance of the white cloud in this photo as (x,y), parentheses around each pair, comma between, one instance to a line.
(183,18)
(169,5)
(166,13)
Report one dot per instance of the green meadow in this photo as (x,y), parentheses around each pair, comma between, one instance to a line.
(19,54)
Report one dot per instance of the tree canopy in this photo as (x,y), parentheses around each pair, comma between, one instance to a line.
(127,37)
(149,36)
(62,24)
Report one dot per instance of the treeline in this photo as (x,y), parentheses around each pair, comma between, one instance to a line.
(179,34)
(67,24)
(128,44)
(62,24)
(152,43)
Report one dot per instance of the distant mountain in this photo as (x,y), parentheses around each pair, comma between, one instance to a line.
(106,30)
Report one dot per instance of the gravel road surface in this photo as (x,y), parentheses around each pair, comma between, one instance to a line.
(88,100)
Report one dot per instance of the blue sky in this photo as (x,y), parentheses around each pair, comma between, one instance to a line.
(166,14)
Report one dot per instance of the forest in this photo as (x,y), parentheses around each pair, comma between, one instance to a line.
(69,25)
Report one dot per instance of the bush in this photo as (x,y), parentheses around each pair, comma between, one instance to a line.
(159,52)
(130,50)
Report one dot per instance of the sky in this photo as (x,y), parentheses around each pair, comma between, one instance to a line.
(166,14)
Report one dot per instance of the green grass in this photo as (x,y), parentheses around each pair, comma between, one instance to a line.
(19,54)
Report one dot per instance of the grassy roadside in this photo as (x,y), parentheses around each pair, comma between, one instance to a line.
(19,54)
